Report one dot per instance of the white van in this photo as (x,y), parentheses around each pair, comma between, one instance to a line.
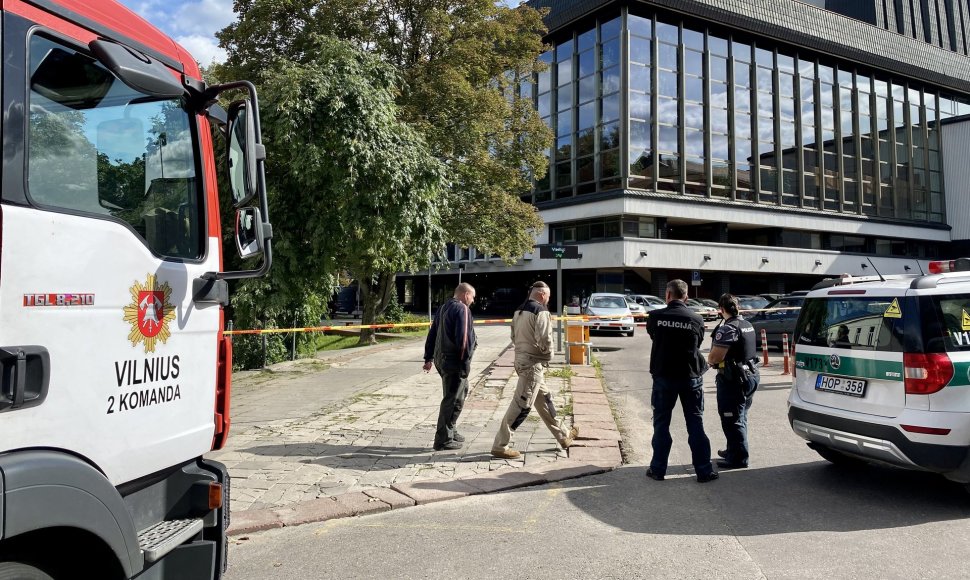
(882,370)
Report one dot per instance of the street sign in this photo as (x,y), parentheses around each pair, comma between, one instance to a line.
(559,252)
(695,278)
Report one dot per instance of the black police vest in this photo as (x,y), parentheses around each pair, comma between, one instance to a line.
(745,348)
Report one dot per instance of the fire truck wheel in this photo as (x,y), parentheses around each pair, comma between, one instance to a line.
(20,571)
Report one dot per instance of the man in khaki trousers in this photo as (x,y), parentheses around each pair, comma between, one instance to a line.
(532,340)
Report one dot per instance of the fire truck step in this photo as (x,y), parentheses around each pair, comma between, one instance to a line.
(164,537)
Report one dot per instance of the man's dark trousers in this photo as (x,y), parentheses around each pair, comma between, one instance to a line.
(454,387)
(663,399)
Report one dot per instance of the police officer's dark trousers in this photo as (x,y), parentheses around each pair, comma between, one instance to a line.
(454,387)
(733,402)
(664,397)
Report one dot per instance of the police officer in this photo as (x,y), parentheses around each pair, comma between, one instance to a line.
(677,367)
(734,354)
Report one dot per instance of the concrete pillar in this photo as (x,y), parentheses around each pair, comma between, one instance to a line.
(659,279)
(722,284)
(720,233)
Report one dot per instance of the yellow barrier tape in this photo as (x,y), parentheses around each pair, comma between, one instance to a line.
(574,318)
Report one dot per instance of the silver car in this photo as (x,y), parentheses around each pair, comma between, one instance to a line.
(614,312)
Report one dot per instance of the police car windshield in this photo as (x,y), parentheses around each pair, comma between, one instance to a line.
(608,302)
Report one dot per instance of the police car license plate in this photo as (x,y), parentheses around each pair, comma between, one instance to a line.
(841,385)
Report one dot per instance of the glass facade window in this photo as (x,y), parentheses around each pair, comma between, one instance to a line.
(604,228)
(648,102)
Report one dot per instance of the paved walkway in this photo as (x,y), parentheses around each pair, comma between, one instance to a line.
(351,431)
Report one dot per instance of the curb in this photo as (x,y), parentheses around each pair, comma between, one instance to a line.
(596,450)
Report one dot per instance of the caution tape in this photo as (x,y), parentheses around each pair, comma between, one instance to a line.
(573,318)
(394,325)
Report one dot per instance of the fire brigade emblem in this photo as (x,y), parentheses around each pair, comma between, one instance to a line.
(149,313)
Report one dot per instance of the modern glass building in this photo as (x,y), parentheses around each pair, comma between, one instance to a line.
(755,145)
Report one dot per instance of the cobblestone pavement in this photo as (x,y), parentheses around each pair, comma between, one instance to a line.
(364,418)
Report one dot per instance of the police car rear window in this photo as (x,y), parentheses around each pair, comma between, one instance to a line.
(946,322)
(850,322)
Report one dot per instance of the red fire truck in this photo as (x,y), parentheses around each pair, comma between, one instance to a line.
(114,371)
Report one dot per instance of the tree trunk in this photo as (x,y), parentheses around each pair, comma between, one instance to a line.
(375,291)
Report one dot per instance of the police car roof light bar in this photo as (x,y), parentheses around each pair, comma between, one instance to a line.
(943,266)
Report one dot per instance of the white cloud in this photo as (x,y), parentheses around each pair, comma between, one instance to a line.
(192,23)
(204,49)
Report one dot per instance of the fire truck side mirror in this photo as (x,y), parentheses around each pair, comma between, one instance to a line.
(244,152)
(249,232)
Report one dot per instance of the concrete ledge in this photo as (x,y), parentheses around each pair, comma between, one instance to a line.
(602,434)
(590,398)
(248,521)
(392,498)
(570,469)
(423,492)
(598,455)
(503,479)
(359,503)
(317,510)
(588,424)
(595,443)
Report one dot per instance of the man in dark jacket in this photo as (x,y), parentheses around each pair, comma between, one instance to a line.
(734,353)
(449,347)
(677,367)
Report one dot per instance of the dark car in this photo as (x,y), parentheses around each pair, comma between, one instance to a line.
(751,304)
(778,318)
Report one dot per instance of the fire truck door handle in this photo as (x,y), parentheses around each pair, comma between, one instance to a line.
(20,380)
(25,376)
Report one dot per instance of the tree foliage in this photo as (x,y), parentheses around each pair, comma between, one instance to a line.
(392,126)
(458,62)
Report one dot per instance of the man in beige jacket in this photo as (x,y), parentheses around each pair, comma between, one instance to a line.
(532,340)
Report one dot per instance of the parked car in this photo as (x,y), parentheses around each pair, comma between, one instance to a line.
(613,306)
(706,312)
(881,371)
(709,302)
(638,310)
(769,296)
(751,303)
(648,301)
(778,318)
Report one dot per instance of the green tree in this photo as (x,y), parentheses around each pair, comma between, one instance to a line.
(352,184)
(458,62)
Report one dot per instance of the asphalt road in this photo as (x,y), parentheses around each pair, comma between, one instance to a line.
(790,515)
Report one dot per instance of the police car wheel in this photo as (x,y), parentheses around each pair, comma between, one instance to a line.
(837,457)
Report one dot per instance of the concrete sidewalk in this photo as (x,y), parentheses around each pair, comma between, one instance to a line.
(350,432)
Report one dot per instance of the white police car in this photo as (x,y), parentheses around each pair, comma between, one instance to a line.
(882,370)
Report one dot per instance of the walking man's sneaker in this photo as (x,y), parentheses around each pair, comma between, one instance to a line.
(725,464)
(505,454)
(459,437)
(573,433)
(653,475)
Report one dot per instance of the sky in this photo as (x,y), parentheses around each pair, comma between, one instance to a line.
(194,23)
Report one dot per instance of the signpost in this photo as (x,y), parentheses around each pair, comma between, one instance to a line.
(560,253)
(695,281)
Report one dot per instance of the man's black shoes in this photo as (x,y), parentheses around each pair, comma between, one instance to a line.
(707,477)
(725,464)
(459,437)
(449,446)
(722,453)
(653,475)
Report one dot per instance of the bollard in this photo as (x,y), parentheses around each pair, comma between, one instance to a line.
(784,347)
(764,348)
